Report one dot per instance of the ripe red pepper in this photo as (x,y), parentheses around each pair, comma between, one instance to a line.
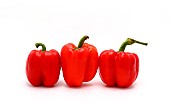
(79,64)
(119,68)
(43,67)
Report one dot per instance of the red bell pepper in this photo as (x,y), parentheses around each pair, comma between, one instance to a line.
(119,68)
(79,64)
(43,67)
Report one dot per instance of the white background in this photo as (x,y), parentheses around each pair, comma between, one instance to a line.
(108,24)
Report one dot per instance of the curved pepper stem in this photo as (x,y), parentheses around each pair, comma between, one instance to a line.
(130,41)
(81,42)
(42,45)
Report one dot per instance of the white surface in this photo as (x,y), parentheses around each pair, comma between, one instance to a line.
(108,24)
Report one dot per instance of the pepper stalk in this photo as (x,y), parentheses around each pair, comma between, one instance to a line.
(42,45)
(130,41)
(81,42)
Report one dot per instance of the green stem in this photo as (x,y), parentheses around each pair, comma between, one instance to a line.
(81,42)
(130,41)
(42,45)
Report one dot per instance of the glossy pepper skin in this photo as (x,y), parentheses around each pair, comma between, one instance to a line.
(79,64)
(119,68)
(43,67)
